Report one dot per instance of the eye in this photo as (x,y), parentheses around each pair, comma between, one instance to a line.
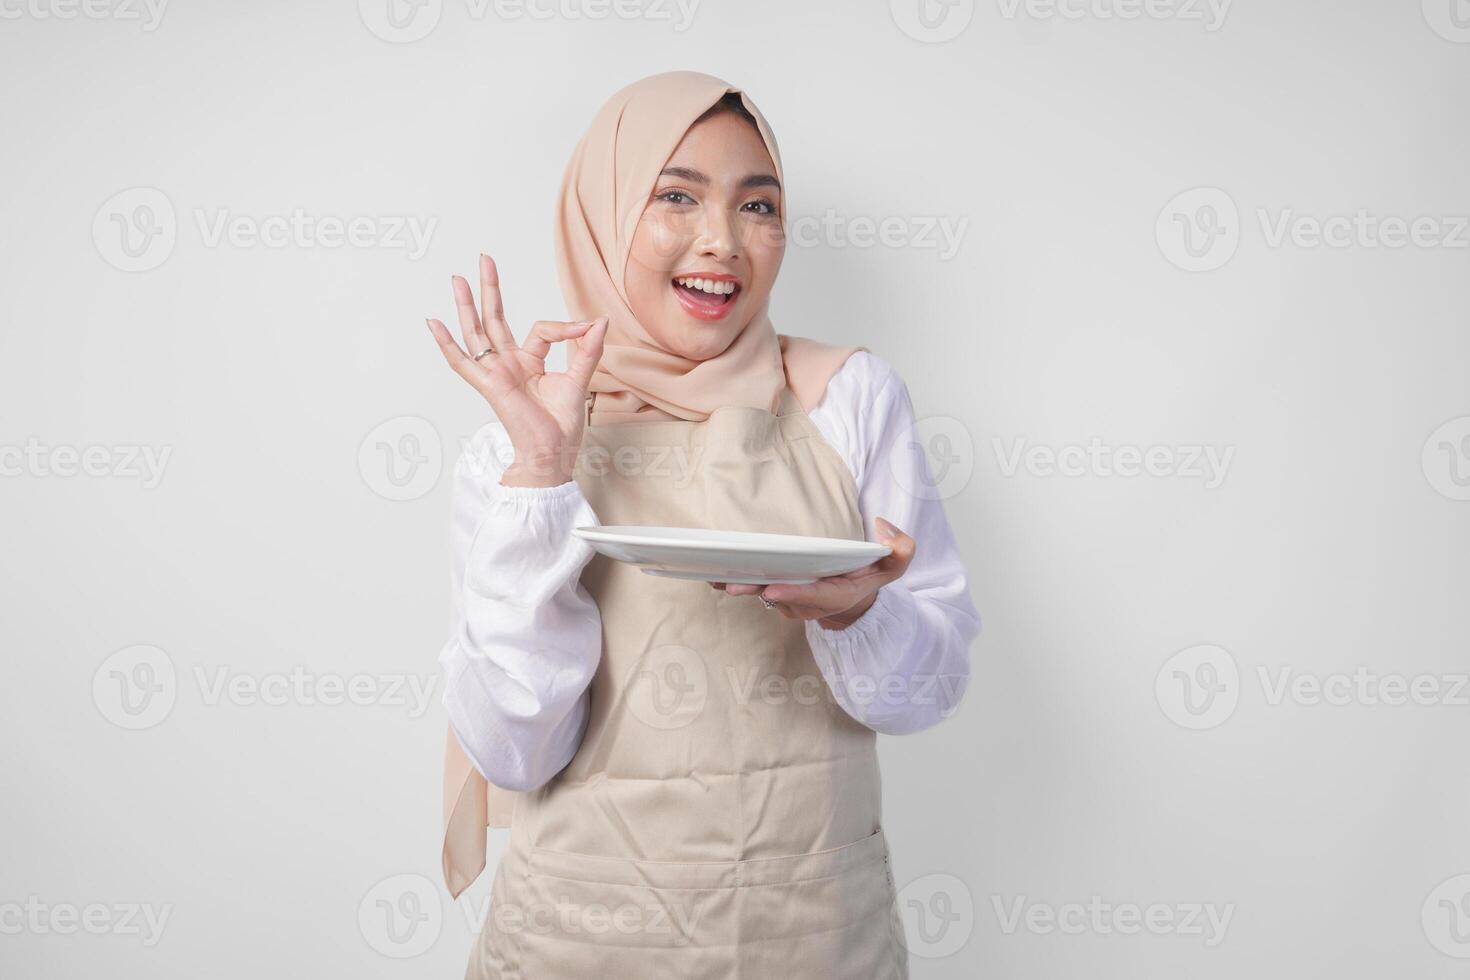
(674,197)
(761,206)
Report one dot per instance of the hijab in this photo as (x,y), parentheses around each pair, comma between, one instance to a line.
(612,172)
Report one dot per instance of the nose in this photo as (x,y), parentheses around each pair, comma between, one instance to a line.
(717,238)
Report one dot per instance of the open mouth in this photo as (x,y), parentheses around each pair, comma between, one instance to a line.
(706,297)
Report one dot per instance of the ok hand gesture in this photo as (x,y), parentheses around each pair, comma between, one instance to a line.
(543,413)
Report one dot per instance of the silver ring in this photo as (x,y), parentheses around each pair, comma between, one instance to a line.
(768,602)
(487,350)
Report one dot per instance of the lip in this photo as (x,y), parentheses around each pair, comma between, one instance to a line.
(702,310)
(716,276)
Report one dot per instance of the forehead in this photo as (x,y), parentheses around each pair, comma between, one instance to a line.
(725,147)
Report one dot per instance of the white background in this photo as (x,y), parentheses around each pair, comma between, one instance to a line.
(1085,766)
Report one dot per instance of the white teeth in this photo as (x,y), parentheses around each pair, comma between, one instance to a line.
(708,286)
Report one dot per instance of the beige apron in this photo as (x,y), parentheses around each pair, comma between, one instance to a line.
(721,818)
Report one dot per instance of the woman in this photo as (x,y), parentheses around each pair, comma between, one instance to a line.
(695,777)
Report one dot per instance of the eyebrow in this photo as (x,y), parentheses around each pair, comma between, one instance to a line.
(754,180)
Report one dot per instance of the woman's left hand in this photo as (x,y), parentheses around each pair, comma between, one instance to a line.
(837,602)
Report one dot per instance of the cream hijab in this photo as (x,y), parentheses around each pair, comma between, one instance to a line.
(606,186)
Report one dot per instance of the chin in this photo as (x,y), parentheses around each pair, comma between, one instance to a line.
(696,339)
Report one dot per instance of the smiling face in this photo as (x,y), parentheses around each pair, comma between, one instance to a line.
(709,244)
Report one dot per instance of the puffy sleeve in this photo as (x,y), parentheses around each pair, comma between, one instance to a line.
(904,664)
(525,636)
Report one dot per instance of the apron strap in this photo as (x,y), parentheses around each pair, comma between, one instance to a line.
(471,804)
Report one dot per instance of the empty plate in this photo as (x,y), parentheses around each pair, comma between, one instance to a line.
(744,557)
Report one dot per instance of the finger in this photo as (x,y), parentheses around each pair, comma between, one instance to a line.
(545,332)
(469,321)
(451,350)
(494,309)
(717,585)
(796,594)
(737,588)
(588,352)
(903,547)
(833,593)
(792,611)
(808,602)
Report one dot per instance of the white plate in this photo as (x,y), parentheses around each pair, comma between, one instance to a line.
(745,557)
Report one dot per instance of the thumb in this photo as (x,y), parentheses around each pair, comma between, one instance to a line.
(897,562)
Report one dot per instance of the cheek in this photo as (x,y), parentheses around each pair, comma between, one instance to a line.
(766,248)
(657,246)
(642,284)
(669,238)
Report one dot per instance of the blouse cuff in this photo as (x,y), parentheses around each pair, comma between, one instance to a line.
(498,491)
(887,625)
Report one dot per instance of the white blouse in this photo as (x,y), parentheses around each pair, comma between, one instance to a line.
(527,637)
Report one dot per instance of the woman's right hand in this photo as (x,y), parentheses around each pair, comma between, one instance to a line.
(543,413)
